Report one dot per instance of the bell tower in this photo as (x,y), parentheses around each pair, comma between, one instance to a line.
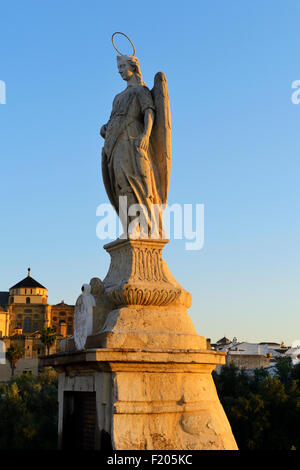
(28,291)
(28,305)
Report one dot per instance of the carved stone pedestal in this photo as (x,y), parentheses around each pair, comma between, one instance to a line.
(129,399)
(144,380)
(148,306)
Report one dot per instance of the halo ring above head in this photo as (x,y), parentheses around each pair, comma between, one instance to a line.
(112,40)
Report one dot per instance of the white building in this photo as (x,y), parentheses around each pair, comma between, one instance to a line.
(250,355)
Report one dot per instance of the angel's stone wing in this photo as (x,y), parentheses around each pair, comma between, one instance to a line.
(160,139)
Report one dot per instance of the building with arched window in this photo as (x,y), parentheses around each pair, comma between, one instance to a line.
(4,322)
(62,318)
(24,313)
(25,293)
(27,325)
(28,309)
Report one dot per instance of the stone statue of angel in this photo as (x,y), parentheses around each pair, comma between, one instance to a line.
(136,157)
(83,316)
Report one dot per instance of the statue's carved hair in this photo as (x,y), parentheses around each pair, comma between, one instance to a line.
(134,62)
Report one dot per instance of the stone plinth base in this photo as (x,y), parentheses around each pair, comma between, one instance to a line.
(148,308)
(144,379)
(142,399)
(148,328)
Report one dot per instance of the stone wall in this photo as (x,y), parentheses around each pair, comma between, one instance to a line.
(248,361)
(23,366)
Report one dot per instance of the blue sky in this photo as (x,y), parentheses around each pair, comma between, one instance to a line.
(235,137)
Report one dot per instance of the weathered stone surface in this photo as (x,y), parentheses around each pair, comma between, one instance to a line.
(83,316)
(150,370)
(159,400)
(103,306)
(138,275)
(136,156)
(150,328)
(149,306)
(147,369)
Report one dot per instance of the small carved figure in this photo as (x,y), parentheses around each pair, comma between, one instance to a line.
(83,316)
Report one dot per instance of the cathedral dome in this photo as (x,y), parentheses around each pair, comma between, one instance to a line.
(28,282)
(28,291)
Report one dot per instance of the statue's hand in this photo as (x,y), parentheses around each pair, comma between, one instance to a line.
(142,142)
(103,131)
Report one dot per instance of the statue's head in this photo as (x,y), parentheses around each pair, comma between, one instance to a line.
(129,66)
(86,289)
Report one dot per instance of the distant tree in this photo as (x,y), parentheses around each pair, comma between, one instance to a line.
(249,420)
(296,372)
(263,410)
(232,381)
(48,337)
(259,374)
(283,369)
(28,410)
(13,354)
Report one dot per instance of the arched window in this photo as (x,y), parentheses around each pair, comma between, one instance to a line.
(27,325)
(28,300)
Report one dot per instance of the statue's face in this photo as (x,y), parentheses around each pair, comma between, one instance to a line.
(125,70)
